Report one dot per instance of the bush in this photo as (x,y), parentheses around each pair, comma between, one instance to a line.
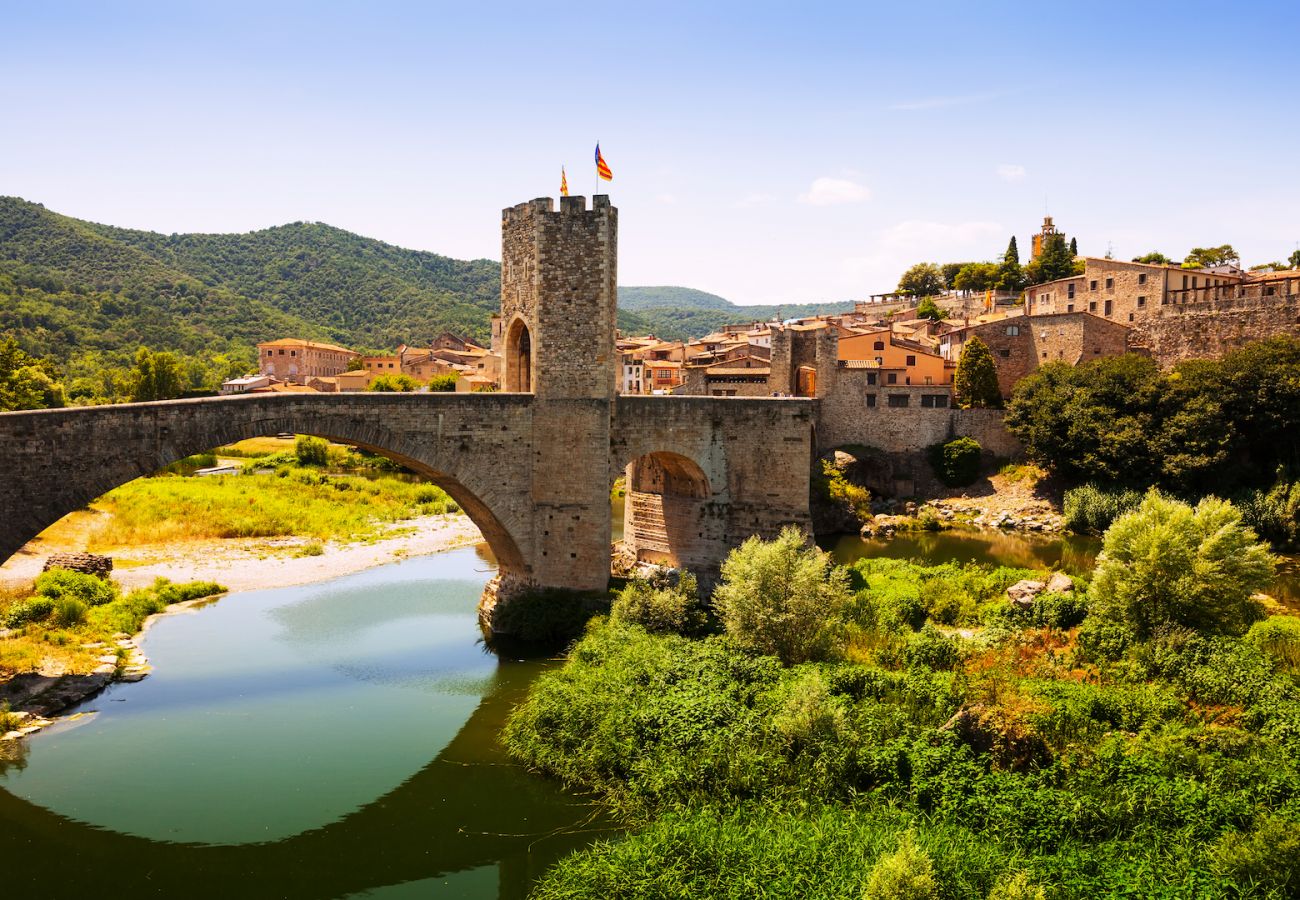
(661,606)
(837,488)
(1278,637)
(311,451)
(1018,887)
(933,650)
(1092,508)
(68,611)
(444,383)
(905,874)
(34,609)
(89,589)
(957,462)
(1274,514)
(393,384)
(1264,859)
(1169,564)
(783,598)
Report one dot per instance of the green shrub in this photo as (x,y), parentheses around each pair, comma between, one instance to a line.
(661,606)
(393,383)
(1092,508)
(933,650)
(905,874)
(837,488)
(1278,637)
(311,451)
(444,383)
(956,463)
(1263,860)
(33,609)
(89,589)
(68,612)
(1166,563)
(1274,514)
(783,598)
(1017,887)
(810,714)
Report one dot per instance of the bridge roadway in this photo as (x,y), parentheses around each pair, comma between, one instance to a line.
(494,453)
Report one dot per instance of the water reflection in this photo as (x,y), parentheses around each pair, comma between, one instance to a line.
(313,742)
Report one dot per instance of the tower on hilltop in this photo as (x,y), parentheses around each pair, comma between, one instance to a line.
(559,297)
(1040,239)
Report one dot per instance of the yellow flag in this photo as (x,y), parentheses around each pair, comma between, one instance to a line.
(564,183)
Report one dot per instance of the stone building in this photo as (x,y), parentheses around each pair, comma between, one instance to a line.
(294,360)
(1020,344)
(1124,292)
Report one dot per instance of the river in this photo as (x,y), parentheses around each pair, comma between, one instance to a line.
(330,740)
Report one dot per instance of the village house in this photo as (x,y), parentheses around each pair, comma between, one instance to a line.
(294,360)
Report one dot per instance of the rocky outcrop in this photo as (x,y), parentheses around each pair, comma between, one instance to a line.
(1022,594)
(89,563)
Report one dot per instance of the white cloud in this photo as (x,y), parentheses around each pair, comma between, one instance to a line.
(915,240)
(1009,172)
(835,192)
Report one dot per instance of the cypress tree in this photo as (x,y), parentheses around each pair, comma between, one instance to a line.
(1013,253)
(976,380)
(1010,276)
(1074,246)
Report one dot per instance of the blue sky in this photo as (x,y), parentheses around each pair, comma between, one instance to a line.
(769,152)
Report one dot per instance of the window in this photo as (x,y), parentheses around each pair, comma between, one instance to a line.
(1184,282)
(897,400)
(1142,278)
(1108,306)
(1193,282)
(1069,307)
(1142,301)
(270,352)
(1092,285)
(911,360)
(891,378)
(1013,330)
(871,400)
(293,352)
(1069,292)
(1130,317)
(1092,306)
(1110,284)
(934,401)
(282,352)
(871,378)
(878,345)
(1004,352)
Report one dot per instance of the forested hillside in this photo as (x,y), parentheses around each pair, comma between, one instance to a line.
(88,296)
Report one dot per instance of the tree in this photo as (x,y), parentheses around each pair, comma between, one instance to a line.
(1056,261)
(157,376)
(976,380)
(356,364)
(26,381)
(1167,564)
(1154,258)
(311,451)
(782,598)
(928,309)
(950,271)
(1074,246)
(1010,276)
(394,383)
(1294,259)
(444,383)
(977,277)
(1276,266)
(957,462)
(922,280)
(1209,257)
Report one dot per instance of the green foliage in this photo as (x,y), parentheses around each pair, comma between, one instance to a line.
(26,382)
(311,451)
(1055,261)
(957,462)
(1091,508)
(1010,276)
(1209,257)
(782,597)
(33,609)
(975,382)
(921,280)
(1017,887)
(836,488)
(661,606)
(157,376)
(905,874)
(443,383)
(1294,259)
(1278,638)
(89,589)
(1263,859)
(928,309)
(1167,564)
(127,614)
(69,611)
(979,276)
(1154,258)
(395,382)
(1274,514)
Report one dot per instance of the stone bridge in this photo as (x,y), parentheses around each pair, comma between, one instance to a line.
(532,467)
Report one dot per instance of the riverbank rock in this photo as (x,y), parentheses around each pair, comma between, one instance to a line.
(832,515)
(1022,594)
(1060,583)
(89,563)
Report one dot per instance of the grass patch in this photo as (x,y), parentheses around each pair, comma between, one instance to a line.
(1022,473)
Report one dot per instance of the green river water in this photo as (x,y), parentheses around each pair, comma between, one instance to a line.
(331,740)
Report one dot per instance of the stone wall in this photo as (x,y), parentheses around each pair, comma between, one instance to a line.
(1211,328)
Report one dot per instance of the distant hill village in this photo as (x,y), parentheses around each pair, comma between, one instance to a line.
(890,344)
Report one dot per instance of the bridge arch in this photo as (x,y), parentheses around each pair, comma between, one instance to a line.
(670,514)
(519,355)
(81,454)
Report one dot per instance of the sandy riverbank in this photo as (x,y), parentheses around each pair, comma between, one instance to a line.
(245,564)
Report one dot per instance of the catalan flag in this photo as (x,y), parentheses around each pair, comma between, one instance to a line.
(564,183)
(602,167)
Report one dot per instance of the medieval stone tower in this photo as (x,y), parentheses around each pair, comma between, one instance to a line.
(558,303)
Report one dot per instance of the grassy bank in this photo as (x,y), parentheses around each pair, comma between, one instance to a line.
(51,622)
(827,734)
